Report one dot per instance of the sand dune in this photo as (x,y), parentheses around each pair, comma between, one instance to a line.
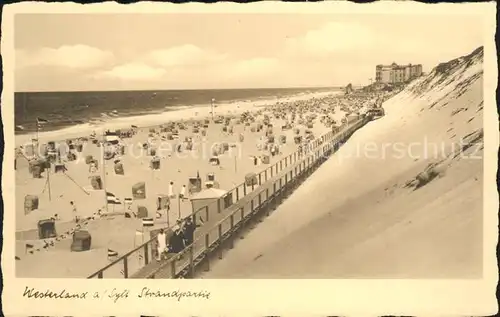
(402,199)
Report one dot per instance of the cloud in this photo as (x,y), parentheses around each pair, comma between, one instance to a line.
(185,55)
(251,68)
(133,71)
(334,37)
(69,56)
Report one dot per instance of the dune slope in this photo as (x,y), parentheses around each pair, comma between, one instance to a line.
(402,199)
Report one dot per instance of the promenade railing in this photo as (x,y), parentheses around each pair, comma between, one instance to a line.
(234,208)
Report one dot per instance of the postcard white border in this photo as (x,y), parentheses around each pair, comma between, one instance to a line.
(265,297)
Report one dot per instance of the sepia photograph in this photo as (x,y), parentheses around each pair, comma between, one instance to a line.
(261,145)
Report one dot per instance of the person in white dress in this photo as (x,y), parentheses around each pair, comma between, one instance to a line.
(161,240)
(171,190)
(183,192)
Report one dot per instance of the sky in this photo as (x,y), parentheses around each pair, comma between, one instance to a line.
(89,52)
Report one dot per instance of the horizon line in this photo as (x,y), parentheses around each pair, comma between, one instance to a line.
(188,89)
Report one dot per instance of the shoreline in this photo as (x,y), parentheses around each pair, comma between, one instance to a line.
(183,113)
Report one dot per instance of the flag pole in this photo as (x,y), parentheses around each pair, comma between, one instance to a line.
(48,183)
(104,174)
(32,143)
(179,206)
(213,100)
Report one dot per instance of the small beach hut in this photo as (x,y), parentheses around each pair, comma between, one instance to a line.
(270,138)
(82,241)
(207,203)
(162,202)
(251,179)
(30,203)
(89,159)
(214,160)
(216,149)
(282,139)
(225,147)
(155,163)
(139,190)
(121,149)
(194,185)
(71,156)
(60,168)
(46,229)
(95,163)
(96,182)
(266,159)
(109,154)
(51,146)
(29,150)
(43,149)
(119,168)
(37,167)
(142,212)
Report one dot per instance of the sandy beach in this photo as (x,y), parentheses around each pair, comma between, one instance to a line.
(107,225)
(380,214)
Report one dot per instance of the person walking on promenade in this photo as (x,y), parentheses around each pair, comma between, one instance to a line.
(176,241)
(161,240)
(183,192)
(189,229)
(171,190)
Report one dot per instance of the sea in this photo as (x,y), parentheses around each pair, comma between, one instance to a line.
(68,109)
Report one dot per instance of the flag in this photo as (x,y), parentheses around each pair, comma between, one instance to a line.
(112,253)
(148,222)
(41,121)
(112,199)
